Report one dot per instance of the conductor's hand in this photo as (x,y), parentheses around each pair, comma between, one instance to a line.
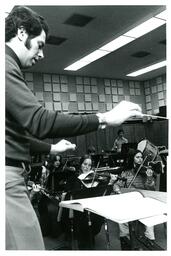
(122,112)
(62,146)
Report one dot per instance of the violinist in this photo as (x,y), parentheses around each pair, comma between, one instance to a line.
(87,178)
(138,177)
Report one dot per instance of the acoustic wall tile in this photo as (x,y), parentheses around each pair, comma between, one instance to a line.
(65,106)
(95,106)
(107,90)
(121,97)
(159,80)
(115,90)
(115,98)
(63,79)
(102,107)
(146,84)
(137,85)
(131,84)
(94,89)
(154,89)
(107,82)
(148,98)
(64,97)
(113,83)
(109,106)
(80,97)
(57,106)
(93,81)
(39,96)
(49,105)
(73,107)
(29,76)
(147,91)
(161,103)
(79,88)
(79,80)
(94,97)
(87,88)
(87,97)
(148,106)
(73,97)
(86,80)
(101,98)
(88,106)
(47,87)
(56,87)
(132,92)
(120,83)
(137,92)
(120,91)
(159,87)
(55,79)
(56,97)
(160,96)
(47,78)
(81,106)
(71,87)
(47,96)
(64,88)
(108,98)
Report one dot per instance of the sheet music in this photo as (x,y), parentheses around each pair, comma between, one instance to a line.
(120,208)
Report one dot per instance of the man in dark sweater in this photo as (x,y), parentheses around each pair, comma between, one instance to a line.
(25,35)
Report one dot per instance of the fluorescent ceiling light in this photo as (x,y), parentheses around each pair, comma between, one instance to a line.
(122,40)
(87,60)
(76,65)
(147,69)
(161,15)
(117,43)
(145,27)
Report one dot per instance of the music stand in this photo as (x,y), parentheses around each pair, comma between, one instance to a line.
(102,190)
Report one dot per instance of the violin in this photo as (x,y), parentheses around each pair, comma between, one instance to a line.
(101,176)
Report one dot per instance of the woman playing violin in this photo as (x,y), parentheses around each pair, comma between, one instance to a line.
(85,180)
(87,176)
(140,177)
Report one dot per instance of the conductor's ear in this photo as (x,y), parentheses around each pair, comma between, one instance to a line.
(22,35)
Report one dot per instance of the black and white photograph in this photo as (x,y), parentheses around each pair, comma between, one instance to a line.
(86,127)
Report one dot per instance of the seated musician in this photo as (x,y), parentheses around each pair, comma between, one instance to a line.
(86,180)
(59,173)
(145,179)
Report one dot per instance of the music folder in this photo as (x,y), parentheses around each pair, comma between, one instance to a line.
(120,208)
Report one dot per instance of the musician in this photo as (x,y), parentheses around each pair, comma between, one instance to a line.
(145,179)
(87,177)
(117,146)
(59,173)
(85,180)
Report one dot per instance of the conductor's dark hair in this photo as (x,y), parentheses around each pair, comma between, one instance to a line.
(22,16)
